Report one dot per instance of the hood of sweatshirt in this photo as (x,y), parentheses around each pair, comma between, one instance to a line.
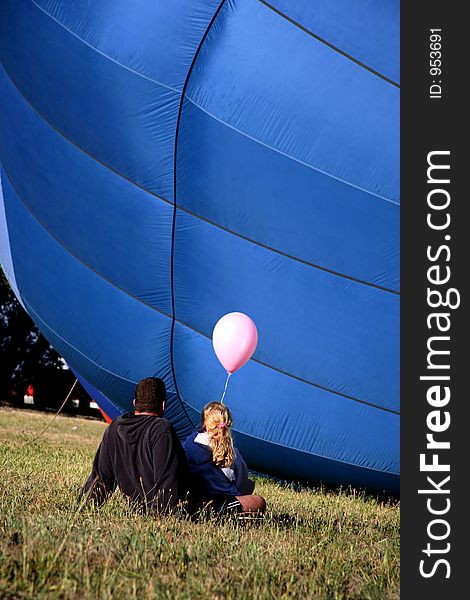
(130,427)
(197,453)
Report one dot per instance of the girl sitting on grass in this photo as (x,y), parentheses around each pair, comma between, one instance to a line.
(219,473)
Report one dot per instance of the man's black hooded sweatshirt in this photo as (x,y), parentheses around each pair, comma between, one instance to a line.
(142,455)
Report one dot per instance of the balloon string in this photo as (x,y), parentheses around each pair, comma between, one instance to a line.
(53,418)
(225,388)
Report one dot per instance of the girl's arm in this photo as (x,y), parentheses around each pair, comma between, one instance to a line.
(243,483)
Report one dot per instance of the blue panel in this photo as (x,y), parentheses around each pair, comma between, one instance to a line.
(107,222)
(317,326)
(301,154)
(281,462)
(297,416)
(120,117)
(367,30)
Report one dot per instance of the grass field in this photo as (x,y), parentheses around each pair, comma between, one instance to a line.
(311,543)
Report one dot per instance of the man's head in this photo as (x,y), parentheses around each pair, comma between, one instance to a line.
(150,396)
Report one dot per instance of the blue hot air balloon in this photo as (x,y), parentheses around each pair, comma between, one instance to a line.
(165,163)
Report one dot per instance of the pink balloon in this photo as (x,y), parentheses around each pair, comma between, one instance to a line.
(234,339)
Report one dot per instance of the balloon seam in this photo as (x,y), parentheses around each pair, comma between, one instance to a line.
(173,227)
(329,44)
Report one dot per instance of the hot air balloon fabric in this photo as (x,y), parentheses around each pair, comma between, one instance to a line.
(166,163)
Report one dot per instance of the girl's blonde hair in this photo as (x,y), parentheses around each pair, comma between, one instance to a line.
(216,420)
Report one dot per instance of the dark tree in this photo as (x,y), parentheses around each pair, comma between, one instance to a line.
(26,357)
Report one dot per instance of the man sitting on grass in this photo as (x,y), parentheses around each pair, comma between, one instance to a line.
(141,454)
